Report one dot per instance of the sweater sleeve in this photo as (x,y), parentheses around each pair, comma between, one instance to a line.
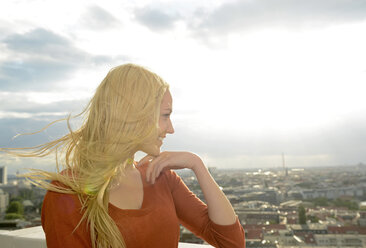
(193,214)
(60,215)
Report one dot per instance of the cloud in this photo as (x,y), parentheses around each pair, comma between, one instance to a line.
(12,126)
(18,114)
(21,165)
(40,60)
(19,103)
(98,18)
(155,19)
(38,40)
(33,74)
(6,28)
(243,15)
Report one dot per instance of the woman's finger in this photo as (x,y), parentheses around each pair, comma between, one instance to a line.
(157,167)
(145,160)
(151,167)
(159,163)
(167,160)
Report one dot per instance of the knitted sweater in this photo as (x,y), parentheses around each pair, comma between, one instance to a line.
(166,204)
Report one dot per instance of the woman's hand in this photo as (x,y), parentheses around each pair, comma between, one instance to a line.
(169,160)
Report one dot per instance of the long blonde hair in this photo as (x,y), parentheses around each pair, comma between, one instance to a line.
(122,115)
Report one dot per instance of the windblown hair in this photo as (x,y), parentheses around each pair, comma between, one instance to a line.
(121,116)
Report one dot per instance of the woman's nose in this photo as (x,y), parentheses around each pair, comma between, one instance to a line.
(170,128)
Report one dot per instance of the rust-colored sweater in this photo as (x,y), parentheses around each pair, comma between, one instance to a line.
(166,204)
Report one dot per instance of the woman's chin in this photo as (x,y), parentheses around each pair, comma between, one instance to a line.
(151,149)
(155,153)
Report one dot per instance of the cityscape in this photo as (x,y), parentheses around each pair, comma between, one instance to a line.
(279,208)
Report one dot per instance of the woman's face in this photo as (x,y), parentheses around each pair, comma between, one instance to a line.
(165,126)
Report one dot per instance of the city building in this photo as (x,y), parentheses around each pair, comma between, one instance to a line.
(4,202)
(3,175)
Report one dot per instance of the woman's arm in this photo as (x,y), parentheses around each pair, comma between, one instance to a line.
(217,222)
(220,210)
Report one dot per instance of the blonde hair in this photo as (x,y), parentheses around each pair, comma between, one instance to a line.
(122,115)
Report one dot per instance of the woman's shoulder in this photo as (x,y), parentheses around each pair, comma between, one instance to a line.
(61,198)
(56,203)
(61,212)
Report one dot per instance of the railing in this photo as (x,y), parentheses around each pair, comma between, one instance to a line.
(34,237)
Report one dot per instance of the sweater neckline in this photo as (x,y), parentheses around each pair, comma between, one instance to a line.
(146,205)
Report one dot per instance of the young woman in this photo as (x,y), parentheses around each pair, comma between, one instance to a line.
(103,198)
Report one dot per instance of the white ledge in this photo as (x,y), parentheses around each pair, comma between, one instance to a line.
(33,237)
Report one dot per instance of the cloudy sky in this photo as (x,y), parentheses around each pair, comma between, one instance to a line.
(250,79)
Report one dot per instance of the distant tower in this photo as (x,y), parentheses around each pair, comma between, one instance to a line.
(3,175)
(284,165)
